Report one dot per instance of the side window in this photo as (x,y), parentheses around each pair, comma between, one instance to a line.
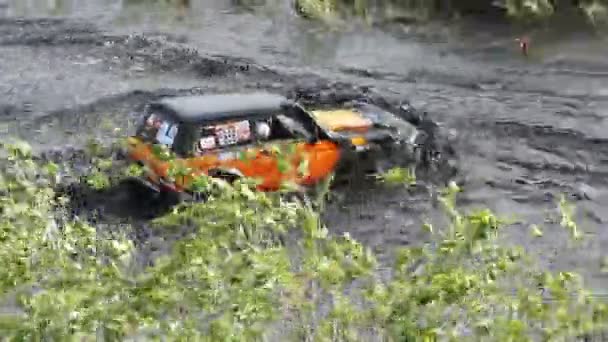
(159,130)
(222,135)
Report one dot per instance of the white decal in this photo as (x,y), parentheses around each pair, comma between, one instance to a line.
(226,156)
(166,133)
(206,143)
(233,133)
(243,130)
(226,136)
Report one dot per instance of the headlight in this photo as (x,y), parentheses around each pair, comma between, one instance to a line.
(358,141)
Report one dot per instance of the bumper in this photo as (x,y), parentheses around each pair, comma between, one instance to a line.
(375,157)
(147,184)
(162,187)
(358,160)
(167,191)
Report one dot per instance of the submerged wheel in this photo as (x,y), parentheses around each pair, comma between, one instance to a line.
(229,176)
(171,198)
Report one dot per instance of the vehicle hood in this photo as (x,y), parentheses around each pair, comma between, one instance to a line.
(365,120)
(340,120)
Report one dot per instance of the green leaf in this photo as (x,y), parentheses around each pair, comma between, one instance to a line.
(291,149)
(398,175)
(51,169)
(536,231)
(283,165)
(303,167)
(20,149)
(428,227)
(275,149)
(98,180)
(134,170)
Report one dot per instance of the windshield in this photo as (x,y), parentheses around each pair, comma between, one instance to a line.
(157,129)
(294,127)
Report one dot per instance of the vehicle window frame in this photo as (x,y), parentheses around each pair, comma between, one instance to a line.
(303,134)
(197,135)
(165,119)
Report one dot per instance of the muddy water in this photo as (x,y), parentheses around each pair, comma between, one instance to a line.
(528,129)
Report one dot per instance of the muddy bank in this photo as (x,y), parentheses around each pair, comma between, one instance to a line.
(526,131)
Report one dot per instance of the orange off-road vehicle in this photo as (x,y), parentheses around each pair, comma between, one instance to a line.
(246,135)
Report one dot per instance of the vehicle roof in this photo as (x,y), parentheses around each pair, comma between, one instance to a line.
(217,107)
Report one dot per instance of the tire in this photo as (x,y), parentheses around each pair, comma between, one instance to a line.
(169,198)
(229,176)
(130,189)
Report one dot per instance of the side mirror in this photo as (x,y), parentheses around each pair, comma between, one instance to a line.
(409,113)
(405,107)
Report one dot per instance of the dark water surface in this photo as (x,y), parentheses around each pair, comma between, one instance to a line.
(528,129)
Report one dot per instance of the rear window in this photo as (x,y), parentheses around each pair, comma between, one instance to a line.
(157,129)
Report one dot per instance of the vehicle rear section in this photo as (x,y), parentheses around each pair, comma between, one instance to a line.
(154,139)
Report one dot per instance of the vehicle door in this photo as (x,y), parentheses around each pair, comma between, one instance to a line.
(230,148)
(315,156)
(271,157)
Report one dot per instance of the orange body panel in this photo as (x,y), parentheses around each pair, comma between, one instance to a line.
(259,162)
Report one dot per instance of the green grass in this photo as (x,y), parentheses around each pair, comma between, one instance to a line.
(237,274)
(526,10)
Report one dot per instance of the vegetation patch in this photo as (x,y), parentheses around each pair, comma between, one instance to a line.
(252,265)
(415,10)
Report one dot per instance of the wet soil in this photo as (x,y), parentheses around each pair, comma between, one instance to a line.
(527,130)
